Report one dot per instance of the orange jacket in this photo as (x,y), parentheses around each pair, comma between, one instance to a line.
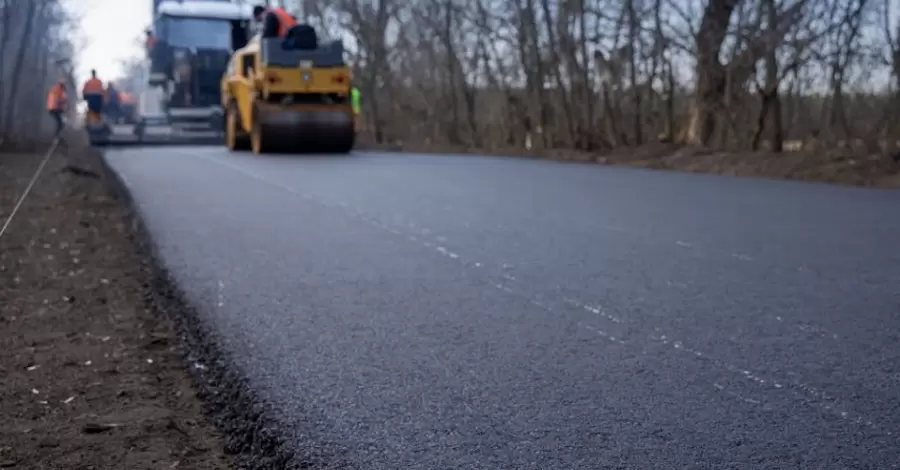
(56,98)
(126,98)
(285,20)
(92,87)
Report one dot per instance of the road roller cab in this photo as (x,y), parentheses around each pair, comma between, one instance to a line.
(279,99)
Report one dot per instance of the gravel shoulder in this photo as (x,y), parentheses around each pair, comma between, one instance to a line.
(90,377)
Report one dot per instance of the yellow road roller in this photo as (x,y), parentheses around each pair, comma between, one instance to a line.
(288,100)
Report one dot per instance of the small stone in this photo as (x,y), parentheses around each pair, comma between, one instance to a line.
(97,428)
(49,442)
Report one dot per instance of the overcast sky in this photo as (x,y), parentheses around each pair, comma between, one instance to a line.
(111,29)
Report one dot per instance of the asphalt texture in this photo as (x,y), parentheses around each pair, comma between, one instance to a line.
(432,312)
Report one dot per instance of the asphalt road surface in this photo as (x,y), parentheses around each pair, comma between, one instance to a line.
(432,312)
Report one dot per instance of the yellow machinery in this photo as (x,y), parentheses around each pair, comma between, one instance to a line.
(288,100)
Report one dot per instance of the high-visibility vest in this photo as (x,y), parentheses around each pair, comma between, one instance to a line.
(285,20)
(56,99)
(355,100)
(92,86)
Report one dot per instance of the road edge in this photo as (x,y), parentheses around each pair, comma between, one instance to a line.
(672,158)
(230,404)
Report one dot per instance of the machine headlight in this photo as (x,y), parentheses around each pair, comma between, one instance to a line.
(180,54)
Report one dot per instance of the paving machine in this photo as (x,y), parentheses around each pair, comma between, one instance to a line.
(280,97)
(195,40)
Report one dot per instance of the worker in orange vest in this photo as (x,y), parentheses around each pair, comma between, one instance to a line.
(276,21)
(126,97)
(150,41)
(57,103)
(93,93)
(112,105)
(129,105)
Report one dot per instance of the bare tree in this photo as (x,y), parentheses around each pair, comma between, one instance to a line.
(31,49)
(579,74)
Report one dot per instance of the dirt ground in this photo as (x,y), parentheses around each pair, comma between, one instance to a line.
(836,166)
(89,378)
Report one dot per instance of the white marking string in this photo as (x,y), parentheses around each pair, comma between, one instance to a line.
(34,179)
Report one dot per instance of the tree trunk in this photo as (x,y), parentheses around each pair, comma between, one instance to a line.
(16,70)
(8,13)
(562,91)
(589,96)
(765,103)
(670,102)
(772,79)
(709,72)
(633,66)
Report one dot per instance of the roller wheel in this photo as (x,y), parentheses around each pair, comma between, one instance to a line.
(235,137)
(258,142)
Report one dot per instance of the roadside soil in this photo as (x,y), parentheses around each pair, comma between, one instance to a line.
(837,166)
(89,377)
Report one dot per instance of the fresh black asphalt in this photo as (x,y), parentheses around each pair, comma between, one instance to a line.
(438,312)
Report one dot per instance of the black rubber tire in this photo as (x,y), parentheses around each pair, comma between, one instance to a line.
(344,145)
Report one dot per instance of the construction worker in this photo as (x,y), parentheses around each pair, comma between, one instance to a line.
(129,106)
(150,41)
(277,22)
(355,102)
(92,92)
(156,53)
(112,104)
(127,98)
(57,103)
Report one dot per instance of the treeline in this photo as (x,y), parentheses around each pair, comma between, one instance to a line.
(594,74)
(35,51)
